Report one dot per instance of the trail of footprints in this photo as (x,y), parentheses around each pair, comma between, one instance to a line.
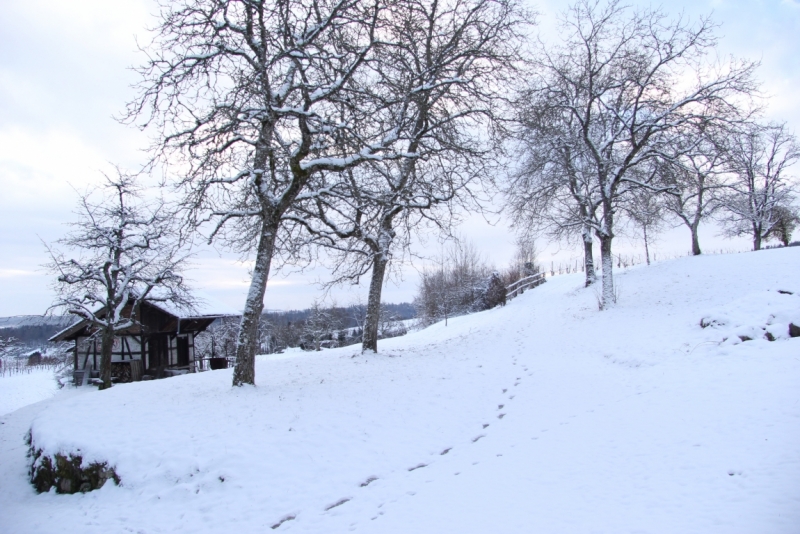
(372,479)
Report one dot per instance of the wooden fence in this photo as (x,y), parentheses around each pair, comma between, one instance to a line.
(519,287)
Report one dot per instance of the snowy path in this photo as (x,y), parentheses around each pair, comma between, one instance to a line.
(544,416)
(623,456)
(20,389)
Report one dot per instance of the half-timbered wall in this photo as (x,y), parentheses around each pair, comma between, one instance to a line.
(124,348)
(136,347)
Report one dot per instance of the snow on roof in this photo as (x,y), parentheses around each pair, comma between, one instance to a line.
(68,330)
(203,305)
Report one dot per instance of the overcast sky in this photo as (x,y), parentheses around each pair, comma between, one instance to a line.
(64,76)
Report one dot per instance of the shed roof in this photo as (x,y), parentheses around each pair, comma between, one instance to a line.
(203,311)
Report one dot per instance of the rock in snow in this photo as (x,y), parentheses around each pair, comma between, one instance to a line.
(543,416)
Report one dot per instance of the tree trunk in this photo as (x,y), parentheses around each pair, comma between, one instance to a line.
(756,237)
(607,261)
(244,371)
(106,347)
(646,245)
(370,338)
(606,257)
(588,259)
(695,241)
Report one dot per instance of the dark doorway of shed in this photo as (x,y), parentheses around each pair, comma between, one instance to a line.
(158,355)
(183,351)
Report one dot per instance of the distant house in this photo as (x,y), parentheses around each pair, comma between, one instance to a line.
(161,345)
(34,357)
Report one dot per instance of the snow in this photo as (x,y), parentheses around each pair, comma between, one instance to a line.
(543,416)
(21,389)
(203,305)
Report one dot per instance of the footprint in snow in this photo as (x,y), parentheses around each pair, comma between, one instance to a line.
(501,416)
(337,503)
(369,481)
(283,520)
(420,466)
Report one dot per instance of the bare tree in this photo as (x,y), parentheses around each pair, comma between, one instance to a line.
(456,285)
(320,324)
(448,62)
(122,251)
(524,263)
(553,191)
(788,218)
(646,211)
(9,345)
(390,324)
(759,157)
(698,174)
(627,83)
(254,98)
(10,349)
(217,341)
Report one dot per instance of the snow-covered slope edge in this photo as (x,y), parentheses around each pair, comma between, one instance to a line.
(552,417)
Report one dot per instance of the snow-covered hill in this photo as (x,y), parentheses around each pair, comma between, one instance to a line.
(544,416)
(20,321)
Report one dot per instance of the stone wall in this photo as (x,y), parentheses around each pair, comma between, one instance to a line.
(66,473)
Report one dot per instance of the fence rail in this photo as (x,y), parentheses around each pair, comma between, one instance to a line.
(519,287)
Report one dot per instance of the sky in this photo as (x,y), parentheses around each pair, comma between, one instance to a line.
(65,76)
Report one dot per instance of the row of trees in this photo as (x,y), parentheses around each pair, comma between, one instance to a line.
(326,123)
(461,281)
(338,130)
(631,116)
(292,126)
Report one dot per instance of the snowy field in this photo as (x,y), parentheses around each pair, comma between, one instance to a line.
(21,389)
(545,416)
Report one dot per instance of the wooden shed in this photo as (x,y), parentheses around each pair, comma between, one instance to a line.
(161,345)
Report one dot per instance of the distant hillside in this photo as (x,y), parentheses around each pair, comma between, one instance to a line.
(33,329)
(349,317)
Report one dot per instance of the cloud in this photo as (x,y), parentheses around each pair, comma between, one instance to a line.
(16,273)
